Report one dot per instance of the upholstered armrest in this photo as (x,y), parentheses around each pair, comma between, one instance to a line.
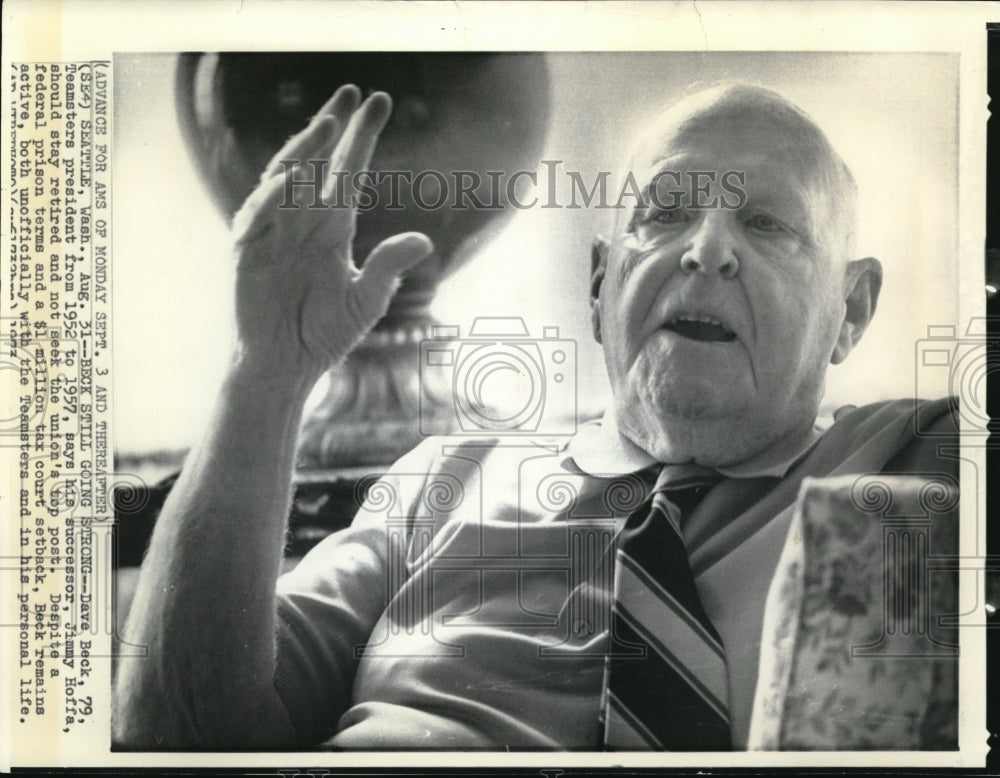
(859,645)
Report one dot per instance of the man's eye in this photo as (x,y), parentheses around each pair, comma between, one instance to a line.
(668,216)
(764,223)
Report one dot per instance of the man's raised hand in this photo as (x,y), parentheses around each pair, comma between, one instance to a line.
(301,303)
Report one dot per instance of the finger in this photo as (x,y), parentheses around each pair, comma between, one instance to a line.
(313,143)
(249,223)
(356,146)
(342,104)
(290,178)
(289,190)
(383,267)
(317,136)
(299,185)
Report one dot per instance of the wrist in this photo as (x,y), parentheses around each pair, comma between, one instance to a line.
(283,380)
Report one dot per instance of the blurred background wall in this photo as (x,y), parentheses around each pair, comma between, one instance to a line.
(892,116)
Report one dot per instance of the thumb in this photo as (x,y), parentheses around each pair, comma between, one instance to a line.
(388,261)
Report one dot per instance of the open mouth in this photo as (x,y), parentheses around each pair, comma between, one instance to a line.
(703,328)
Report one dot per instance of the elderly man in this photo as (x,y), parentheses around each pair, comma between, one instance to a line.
(454,621)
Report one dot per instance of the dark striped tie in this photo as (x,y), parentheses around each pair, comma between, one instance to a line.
(675,696)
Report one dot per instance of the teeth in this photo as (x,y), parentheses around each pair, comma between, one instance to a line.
(701,318)
(704,319)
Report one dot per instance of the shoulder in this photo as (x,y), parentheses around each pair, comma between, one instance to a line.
(447,475)
(461,455)
(904,435)
(910,417)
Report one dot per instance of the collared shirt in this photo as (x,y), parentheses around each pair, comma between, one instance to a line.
(599,447)
(733,570)
(443,618)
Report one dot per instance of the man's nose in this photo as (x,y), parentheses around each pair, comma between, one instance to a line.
(712,248)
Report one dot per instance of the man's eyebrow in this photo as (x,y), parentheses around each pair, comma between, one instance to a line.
(651,175)
(798,199)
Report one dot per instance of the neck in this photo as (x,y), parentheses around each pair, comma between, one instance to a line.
(722,445)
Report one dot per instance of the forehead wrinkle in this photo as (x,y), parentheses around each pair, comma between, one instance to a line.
(723,113)
(704,114)
(720,146)
(720,117)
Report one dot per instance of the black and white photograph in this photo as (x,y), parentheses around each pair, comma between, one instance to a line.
(482,401)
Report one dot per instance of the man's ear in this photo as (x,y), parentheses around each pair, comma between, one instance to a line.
(598,264)
(862,284)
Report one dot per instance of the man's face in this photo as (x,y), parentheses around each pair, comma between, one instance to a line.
(718,322)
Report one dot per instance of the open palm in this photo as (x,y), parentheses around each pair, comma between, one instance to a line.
(301,303)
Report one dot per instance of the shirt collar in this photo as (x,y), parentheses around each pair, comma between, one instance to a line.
(600,449)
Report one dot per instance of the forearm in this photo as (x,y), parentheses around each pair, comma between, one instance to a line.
(205,601)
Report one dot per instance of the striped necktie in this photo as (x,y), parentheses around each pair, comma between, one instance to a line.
(675,695)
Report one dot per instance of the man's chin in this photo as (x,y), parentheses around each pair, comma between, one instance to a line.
(685,429)
(694,404)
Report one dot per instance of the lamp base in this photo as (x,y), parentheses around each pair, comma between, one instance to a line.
(379,403)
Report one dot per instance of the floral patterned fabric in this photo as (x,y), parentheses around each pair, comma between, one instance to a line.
(857,650)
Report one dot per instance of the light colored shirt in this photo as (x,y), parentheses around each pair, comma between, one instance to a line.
(442,618)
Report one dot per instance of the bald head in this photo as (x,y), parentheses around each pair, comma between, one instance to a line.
(719,317)
(723,115)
